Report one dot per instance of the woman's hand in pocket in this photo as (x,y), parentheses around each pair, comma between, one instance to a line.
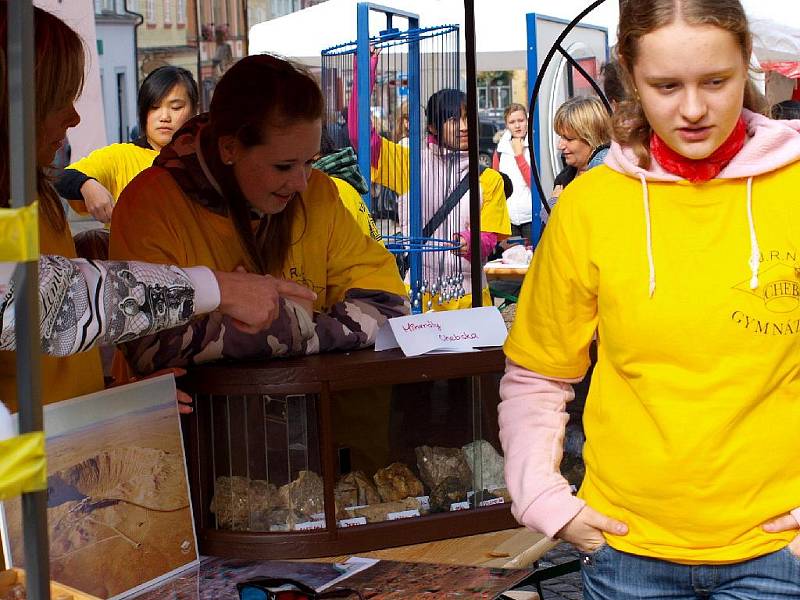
(786,522)
(585,530)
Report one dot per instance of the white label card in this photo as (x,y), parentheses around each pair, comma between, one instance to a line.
(459,506)
(450,330)
(305,526)
(403,514)
(492,501)
(353,522)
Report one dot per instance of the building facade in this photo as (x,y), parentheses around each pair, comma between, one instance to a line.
(116,49)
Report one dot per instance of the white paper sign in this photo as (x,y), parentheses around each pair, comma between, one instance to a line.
(450,330)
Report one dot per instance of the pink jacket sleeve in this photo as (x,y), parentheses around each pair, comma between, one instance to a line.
(352,112)
(524,168)
(533,419)
(488,242)
(496,161)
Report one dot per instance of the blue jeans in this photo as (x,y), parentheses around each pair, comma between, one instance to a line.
(609,574)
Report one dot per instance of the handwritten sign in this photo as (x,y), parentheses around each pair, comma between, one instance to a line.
(445,331)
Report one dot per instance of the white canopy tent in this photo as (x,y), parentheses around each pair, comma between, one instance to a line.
(501,36)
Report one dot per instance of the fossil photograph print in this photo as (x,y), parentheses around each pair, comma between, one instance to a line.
(118,509)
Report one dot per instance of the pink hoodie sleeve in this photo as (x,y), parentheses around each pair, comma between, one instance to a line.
(524,168)
(352,112)
(533,419)
(488,242)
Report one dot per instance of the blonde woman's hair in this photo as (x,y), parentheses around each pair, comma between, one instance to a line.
(585,118)
(638,18)
(512,108)
(58,76)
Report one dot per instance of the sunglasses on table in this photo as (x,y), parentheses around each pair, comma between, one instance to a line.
(270,588)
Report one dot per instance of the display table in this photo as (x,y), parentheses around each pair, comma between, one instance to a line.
(267,449)
(498,270)
(510,548)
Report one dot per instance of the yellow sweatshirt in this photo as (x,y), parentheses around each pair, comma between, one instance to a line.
(64,377)
(692,418)
(113,167)
(355,205)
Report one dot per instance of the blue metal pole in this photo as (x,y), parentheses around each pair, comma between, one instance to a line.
(364,91)
(534,144)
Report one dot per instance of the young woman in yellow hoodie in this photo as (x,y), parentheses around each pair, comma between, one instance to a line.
(681,252)
(236,189)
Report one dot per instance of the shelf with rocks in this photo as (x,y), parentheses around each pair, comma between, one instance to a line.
(270,477)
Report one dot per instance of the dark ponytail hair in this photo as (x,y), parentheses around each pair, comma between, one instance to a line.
(157,85)
(257,92)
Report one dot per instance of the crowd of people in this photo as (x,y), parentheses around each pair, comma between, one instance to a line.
(670,244)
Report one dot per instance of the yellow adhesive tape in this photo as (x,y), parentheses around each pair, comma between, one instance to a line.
(19,233)
(23,465)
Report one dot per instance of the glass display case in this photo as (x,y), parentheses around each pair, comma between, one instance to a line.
(342,453)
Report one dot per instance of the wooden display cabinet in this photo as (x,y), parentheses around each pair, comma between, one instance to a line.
(257,426)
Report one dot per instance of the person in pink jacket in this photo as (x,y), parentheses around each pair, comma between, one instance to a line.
(681,254)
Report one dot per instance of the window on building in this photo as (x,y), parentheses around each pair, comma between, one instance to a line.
(167,13)
(104,6)
(180,13)
(150,12)
(494,89)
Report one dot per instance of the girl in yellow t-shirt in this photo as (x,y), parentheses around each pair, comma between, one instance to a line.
(681,254)
(167,98)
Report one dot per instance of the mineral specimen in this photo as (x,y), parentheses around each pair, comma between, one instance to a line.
(355,489)
(450,490)
(243,504)
(376,513)
(436,464)
(396,482)
(491,470)
(303,495)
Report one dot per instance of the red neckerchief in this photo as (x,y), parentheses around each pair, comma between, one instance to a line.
(705,169)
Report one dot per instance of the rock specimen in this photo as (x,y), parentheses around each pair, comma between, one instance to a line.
(355,489)
(491,470)
(303,495)
(377,513)
(243,504)
(396,482)
(436,464)
(450,490)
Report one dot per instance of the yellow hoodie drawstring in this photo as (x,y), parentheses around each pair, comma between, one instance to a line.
(755,253)
(650,262)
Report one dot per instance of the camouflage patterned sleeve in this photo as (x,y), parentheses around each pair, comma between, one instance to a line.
(83,303)
(354,322)
(350,324)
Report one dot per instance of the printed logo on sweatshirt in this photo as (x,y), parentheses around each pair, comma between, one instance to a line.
(779,290)
(299,276)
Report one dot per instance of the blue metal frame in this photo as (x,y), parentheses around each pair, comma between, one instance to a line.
(533,67)
(364,91)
